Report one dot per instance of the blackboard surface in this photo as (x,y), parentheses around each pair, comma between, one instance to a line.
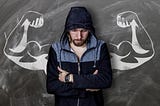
(130,28)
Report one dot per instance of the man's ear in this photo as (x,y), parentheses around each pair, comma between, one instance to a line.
(69,37)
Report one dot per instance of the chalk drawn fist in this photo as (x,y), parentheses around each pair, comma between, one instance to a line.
(32,19)
(126,19)
(37,23)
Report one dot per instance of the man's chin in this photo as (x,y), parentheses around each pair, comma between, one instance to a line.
(78,43)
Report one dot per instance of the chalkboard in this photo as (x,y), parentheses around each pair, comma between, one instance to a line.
(129,27)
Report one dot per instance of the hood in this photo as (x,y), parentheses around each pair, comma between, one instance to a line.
(78,17)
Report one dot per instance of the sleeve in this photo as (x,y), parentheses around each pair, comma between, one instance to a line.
(53,85)
(101,80)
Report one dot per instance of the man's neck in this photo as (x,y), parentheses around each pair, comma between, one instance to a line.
(78,50)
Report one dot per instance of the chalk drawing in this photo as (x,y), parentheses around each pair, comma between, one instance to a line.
(25,22)
(130,19)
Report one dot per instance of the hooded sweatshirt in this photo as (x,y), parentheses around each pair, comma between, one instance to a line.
(96,57)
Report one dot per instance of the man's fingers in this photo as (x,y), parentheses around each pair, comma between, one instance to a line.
(96,72)
(59,69)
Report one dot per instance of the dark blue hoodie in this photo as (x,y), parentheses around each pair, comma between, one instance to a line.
(95,57)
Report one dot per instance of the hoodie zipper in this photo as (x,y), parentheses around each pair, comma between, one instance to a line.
(79,69)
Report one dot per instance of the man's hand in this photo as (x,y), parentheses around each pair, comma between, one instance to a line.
(93,90)
(62,74)
(95,72)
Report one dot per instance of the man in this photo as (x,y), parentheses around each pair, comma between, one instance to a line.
(79,65)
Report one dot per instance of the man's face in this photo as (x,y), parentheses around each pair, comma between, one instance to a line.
(78,36)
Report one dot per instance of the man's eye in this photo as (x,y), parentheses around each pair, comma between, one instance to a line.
(73,30)
(85,30)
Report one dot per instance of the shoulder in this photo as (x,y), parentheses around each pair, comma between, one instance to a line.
(102,47)
(56,46)
(100,43)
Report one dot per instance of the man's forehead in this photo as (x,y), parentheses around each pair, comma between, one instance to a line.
(79,29)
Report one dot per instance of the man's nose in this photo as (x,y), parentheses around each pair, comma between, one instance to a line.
(79,35)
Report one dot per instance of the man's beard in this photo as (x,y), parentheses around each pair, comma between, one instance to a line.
(79,42)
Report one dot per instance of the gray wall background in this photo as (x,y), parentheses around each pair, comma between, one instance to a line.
(138,86)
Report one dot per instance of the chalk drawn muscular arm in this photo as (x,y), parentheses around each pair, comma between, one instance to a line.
(129,19)
(14,52)
(29,22)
